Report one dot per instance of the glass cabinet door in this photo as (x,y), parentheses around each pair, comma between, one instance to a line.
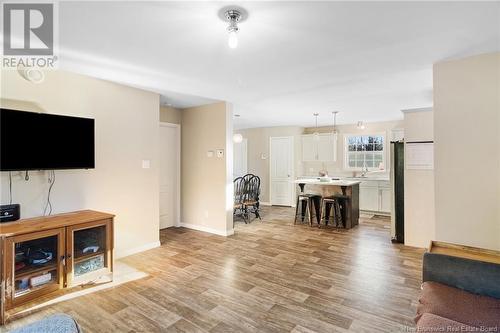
(36,265)
(89,254)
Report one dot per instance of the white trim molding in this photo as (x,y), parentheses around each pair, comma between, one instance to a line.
(427,109)
(207,229)
(134,250)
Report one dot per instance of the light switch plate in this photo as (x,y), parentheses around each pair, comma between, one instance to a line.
(146,164)
(220,153)
(210,153)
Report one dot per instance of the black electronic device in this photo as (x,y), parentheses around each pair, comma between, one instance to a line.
(9,213)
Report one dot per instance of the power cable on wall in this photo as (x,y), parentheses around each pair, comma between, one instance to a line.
(48,206)
(10,187)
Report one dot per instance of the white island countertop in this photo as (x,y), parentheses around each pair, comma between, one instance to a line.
(316,181)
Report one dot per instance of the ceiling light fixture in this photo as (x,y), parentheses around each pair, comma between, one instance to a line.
(233,16)
(316,133)
(360,125)
(335,135)
(237,137)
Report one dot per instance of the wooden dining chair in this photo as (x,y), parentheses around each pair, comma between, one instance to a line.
(252,193)
(239,208)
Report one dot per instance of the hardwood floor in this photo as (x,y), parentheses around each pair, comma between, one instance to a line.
(271,276)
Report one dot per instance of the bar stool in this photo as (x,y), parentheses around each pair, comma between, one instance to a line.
(331,204)
(343,201)
(306,203)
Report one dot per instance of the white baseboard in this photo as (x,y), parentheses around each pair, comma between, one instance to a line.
(207,229)
(142,248)
(265,203)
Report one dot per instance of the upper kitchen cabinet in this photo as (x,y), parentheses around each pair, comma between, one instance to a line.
(318,150)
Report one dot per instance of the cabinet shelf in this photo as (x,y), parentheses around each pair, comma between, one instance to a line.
(31,270)
(30,290)
(86,256)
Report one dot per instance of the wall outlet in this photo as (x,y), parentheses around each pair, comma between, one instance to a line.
(220,153)
(146,164)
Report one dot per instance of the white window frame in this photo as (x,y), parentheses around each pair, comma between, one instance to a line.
(346,150)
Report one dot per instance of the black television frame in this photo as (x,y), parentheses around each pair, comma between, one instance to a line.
(86,167)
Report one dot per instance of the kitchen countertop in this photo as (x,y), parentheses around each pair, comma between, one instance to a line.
(376,178)
(316,181)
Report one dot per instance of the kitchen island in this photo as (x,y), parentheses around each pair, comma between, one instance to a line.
(346,188)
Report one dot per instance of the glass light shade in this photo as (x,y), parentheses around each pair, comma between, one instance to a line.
(237,138)
(232,41)
(335,137)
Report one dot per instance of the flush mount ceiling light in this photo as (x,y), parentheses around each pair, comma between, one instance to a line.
(233,15)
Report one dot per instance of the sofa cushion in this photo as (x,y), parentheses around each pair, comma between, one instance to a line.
(429,322)
(458,305)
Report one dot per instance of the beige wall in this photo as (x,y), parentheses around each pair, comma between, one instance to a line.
(258,144)
(467,150)
(126,132)
(419,184)
(337,168)
(206,182)
(170,115)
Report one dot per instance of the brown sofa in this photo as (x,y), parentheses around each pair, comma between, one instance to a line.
(458,295)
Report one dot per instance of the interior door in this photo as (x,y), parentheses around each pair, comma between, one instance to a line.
(281,171)
(169,175)
(240,165)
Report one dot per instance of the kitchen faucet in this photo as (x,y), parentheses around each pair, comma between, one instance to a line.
(364,170)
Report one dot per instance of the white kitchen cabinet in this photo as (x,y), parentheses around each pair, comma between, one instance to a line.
(385,200)
(325,147)
(398,134)
(321,150)
(309,149)
(368,198)
(375,196)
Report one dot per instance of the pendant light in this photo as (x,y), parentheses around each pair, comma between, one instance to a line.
(237,137)
(335,135)
(316,133)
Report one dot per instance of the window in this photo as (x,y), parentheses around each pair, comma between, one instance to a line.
(364,151)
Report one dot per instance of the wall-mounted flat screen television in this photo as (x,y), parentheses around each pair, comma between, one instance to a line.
(39,141)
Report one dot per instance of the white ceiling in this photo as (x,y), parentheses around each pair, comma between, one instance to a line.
(368,60)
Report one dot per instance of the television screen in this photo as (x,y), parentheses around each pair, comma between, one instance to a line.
(38,141)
